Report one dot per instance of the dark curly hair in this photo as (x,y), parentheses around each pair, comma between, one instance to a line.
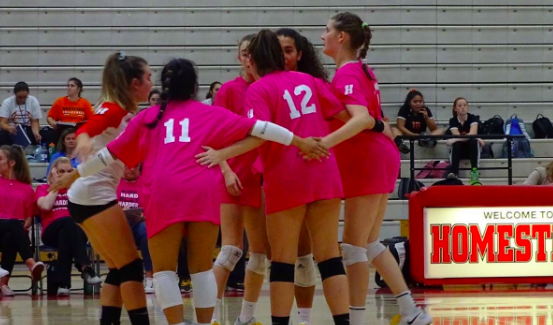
(310,62)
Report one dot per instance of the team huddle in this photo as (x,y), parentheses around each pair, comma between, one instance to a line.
(275,155)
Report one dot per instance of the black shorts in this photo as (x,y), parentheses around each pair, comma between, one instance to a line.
(80,213)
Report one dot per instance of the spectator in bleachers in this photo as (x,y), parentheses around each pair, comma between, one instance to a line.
(213,89)
(65,148)
(17,208)
(71,109)
(414,118)
(541,176)
(20,109)
(464,123)
(154,97)
(61,232)
(128,196)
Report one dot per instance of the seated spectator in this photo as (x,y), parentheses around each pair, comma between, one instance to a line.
(154,97)
(128,195)
(541,176)
(17,208)
(65,148)
(68,111)
(213,90)
(61,232)
(414,118)
(20,109)
(464,123)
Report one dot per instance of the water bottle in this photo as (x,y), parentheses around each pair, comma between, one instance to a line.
(474,177)
(51,151)
(44,153)
(38,154)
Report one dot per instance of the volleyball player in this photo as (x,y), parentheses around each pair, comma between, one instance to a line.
(126,81)
(369,165)
(240,205)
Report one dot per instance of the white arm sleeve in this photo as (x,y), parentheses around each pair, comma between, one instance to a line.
(96,163)
(272,132)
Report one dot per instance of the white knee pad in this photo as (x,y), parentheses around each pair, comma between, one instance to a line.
(353,254)
(228,257)
(256,264)
(166,284)
(374,249)
(305,275)
(205,289)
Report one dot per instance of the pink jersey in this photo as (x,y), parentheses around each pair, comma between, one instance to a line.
(369,162)
(17,200)
(232,96)
(128,194)
(177,189)
(59,210)
(300,103)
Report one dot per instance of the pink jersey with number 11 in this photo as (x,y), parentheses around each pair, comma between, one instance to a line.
(176,188)
(300,103)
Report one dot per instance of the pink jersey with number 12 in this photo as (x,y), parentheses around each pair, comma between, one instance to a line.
(300,103)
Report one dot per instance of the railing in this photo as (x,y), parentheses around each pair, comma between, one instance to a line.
(508,138)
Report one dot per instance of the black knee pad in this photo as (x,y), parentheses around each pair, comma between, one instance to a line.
(331,267)
(113,277)
(282,272)
(134,271)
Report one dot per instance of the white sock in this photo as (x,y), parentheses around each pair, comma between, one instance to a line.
(217,311)
(406,303)
(356,315)
(247,312)
(304,315)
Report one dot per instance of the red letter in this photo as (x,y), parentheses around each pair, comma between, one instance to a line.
(440,244)
(524,254)
(504,253)
(482,246)
(541,232)
(460,244)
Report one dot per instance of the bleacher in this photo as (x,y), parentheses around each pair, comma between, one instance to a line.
(496,53)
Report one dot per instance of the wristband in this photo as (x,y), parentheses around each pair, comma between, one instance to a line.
(96,163)
(272,132)
(378,126)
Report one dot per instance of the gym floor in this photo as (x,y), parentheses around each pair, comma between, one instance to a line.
(453,305)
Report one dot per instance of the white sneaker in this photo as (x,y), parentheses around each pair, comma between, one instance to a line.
(64,292)
(7,292)
(90,276)
(419,317)
(149,286)
(3,273)
(252,321)
(36,271)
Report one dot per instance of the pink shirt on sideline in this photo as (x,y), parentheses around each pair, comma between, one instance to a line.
(128,194)
(232,96)
(176,188)
(300,103)
(59,210)
(17,200)
(369,162)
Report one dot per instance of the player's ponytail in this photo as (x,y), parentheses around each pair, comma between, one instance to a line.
(119,72)
(359,32)
(21,170)
(266,53)
(179,82)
